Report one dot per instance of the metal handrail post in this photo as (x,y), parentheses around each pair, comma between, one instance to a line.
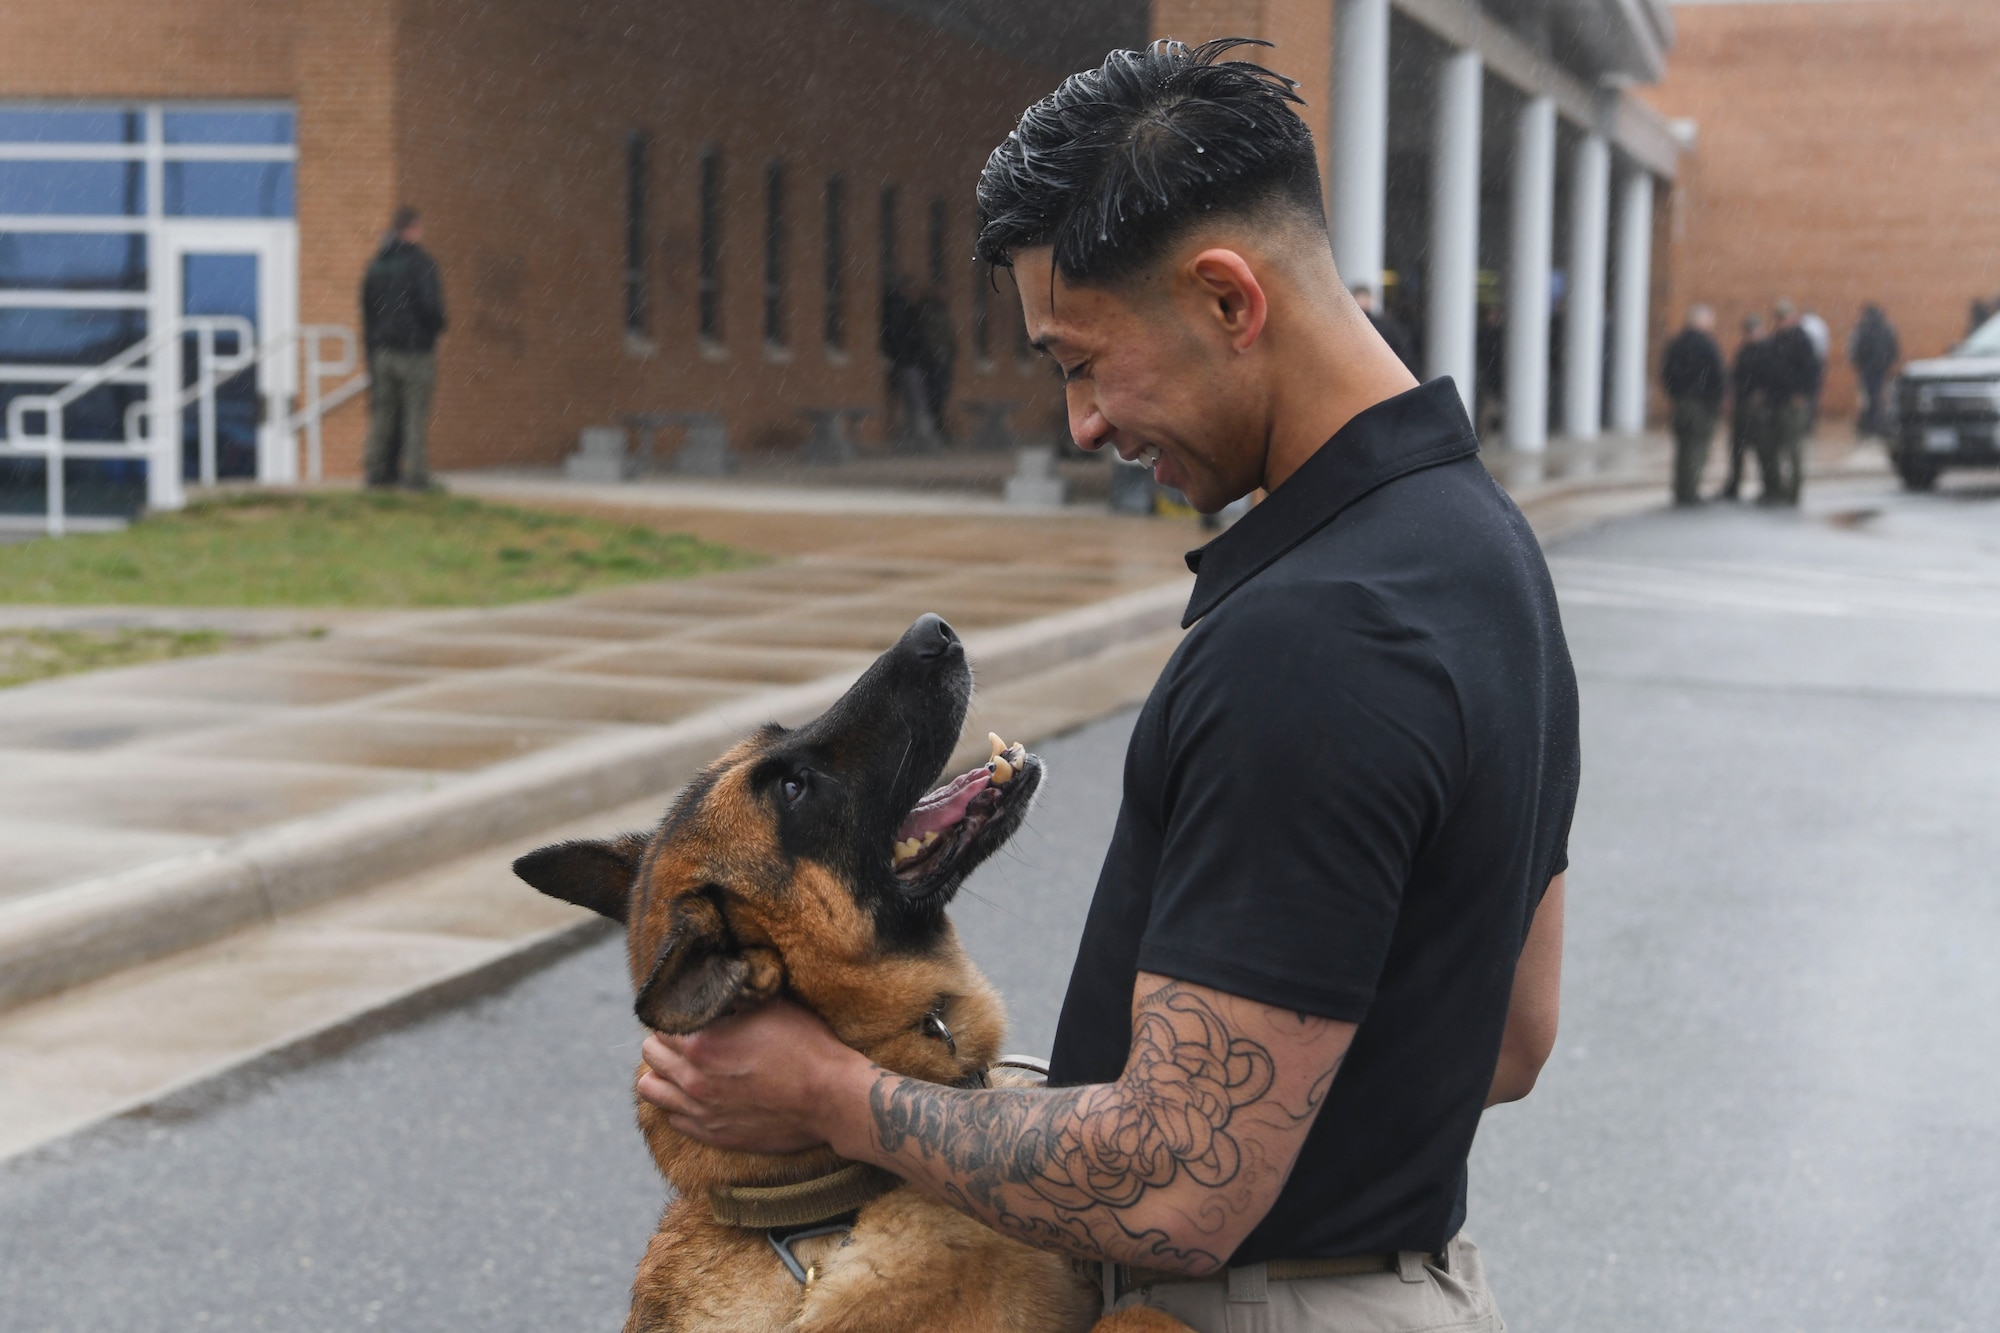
(58,502)
(205,402)
(314,456)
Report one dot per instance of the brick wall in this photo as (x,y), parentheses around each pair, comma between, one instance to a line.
(511,129)
(505,121)
(1847,152)
(1301,37)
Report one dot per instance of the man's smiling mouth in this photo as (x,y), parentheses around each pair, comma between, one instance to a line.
(1148,456)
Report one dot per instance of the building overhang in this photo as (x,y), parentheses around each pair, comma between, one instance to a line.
(1598,104)
(1619,39)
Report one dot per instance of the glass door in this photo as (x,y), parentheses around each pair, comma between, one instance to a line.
(245,271)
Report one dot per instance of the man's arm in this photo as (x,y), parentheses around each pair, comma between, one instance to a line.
(1171,1166)
(1535,1004)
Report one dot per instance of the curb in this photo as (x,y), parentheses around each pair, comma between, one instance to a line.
(199,1094)
(77,934)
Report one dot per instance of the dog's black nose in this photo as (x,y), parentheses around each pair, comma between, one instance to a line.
(931,637)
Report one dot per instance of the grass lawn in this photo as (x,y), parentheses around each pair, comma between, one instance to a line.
(37,654)
(344,548)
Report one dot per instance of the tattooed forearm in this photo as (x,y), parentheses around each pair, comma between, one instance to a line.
(1134,1169)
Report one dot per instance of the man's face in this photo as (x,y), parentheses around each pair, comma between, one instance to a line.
(1148,372)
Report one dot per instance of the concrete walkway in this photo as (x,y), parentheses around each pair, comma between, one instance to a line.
(105,774)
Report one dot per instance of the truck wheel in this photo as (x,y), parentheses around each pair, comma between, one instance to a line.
(1916,475)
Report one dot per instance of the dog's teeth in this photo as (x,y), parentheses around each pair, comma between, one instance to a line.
(999,746)
(1003,772)
(906,849)
(930,837)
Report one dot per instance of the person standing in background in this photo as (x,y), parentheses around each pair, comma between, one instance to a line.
(937,356)
(1791,375)
(1693,378)
(1748,415)
(1872,349)
(1821,338)
(402,314)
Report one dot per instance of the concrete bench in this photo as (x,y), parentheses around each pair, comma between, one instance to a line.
(601,456)
(990,430)
(704,450)
(1035,484)
(832,438)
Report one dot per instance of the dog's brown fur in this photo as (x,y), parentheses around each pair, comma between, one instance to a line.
(798,926)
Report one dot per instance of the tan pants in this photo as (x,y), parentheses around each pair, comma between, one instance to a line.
(1420,1298)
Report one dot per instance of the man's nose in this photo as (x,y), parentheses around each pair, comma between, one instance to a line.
(1087,425)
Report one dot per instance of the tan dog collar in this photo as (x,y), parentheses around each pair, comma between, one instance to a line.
(835,1194)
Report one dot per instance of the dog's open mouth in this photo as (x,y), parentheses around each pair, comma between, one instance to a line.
(948,821)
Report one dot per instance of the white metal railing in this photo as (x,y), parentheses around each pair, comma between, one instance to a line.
(212,369)
(316,368)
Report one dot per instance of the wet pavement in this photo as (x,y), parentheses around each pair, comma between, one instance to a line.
(1771,1107)
(119,771)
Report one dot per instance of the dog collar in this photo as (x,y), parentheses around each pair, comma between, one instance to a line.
(820,1199)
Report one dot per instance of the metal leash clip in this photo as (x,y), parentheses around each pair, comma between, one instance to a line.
(781,1245)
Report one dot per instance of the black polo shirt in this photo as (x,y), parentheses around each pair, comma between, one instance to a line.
(1345,797)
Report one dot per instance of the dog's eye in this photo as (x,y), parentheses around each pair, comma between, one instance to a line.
(794,789)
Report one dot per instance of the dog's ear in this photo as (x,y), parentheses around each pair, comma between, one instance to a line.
(597,875)
(701,972)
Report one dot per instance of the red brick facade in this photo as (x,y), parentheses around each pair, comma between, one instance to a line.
(1845,152)
(506,122)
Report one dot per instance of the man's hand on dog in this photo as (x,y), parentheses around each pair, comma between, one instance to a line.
(761,1081)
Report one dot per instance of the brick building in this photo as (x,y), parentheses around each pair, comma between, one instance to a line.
(1845,152)
(642,207)
(635,206)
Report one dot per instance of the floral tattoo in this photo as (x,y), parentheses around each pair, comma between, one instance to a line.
(1068,1168)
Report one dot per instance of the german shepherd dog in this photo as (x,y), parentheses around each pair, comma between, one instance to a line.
(817,863)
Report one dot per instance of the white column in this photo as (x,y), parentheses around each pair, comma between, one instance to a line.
(1360,185)
(1454,295)
(1635,281)
(1534,207)
(1583,329)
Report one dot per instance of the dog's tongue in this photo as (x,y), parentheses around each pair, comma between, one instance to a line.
(945,806)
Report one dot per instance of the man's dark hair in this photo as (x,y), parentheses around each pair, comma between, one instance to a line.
(1122,159)
(406,217)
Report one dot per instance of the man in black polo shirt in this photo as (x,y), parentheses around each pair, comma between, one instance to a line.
(1328,930)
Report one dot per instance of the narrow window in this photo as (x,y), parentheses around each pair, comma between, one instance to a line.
(635,234)
(982,312)
(888,238)
(774,254)
(710,286)
(836,263)
(937,245)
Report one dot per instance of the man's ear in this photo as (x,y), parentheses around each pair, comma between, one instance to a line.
(1235,298)
(597,875)
(701,973)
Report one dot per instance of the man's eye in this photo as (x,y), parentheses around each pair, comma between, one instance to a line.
(1071,376)
(794,789)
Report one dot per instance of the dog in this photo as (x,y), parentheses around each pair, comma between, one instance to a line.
(817,863)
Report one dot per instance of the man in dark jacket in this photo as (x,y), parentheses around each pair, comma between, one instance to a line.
(402,313)
(1791,379)
(1693,377)
(1749,415)
(1873,351)
(911,429)
(937,355)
